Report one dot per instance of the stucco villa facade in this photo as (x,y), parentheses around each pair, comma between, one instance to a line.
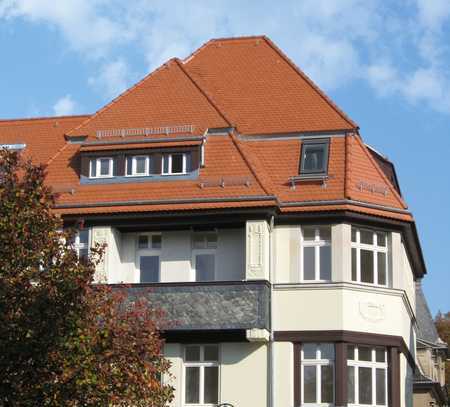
(241,200)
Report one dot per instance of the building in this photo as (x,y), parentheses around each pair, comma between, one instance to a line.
(277,242)
(432,352)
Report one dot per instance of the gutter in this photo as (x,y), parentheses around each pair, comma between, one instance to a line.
(250,198)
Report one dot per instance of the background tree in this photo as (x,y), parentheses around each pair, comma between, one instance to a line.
(442,322)
(63,340)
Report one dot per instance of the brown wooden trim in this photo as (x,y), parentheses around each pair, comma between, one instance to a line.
(394,377)
(204,336)
(341,374)
(191,284)
(297,375)
(354,337)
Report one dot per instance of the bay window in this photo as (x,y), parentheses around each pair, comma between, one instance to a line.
(369,257)
(367,376)
(204,247)
(316,253)
(201,375)
(317,373)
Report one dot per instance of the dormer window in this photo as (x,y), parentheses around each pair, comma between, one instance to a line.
(173,164)
(314,157)
(101,167)
(138,166)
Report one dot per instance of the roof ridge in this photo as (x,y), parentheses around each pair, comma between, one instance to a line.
(250,167)
(310,82)
(209,98)
(381,173)
(43,118)
(123,94)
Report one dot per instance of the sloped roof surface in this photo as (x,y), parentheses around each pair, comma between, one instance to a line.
(426,328)
(260,89)
(43,136)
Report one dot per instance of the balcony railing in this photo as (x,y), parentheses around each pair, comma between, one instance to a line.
(227,305)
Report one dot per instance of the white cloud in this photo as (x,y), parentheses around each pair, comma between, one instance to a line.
(433,13)
(65,106)
(112,79)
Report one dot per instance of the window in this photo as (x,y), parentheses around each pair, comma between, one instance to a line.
(201,375)
(149,246)
(138,166)
(204,247)
(316,253)
(173,164)
(101,167)
(367,376)
(81,243)
(369,257)
(314,157)
(317,364)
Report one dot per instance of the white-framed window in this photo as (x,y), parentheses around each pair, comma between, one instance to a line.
(173,164)
(101,167)
(367,376)
(204,246)
(316,253)
(138,166)
(369,256)
(317,364)
(201,375)
(149,258)
(81,243)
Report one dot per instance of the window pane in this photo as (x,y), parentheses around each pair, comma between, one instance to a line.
(204,267)
(140,165)
(380,355)
(327,351)
(177,163)
(353,235)
(104,166)
(143,242)
(351,352)
(211,395)
(381,239)
(156,241)
(149,266)
(309,351)
(314,158)
(166,164)
(354,272)
(325,263)
(309,233)
(309,380)
(381,268)
(381,386)
(84,236)
(93,168)
(192,385)
(366,266)
(351,384)
(365,385)
(192,353)
(198,241)
(325,233)
(83,254)
(129,165)
(211,240)
(365,354)
(366,236)
(211,353)
(309,272)
(327,384)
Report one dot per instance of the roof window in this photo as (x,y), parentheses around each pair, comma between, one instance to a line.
(138,166)
(101,167)
(314,157)
(174,164)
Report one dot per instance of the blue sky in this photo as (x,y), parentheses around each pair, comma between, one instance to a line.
(385,63)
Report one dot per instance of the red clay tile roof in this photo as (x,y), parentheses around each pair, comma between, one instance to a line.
(43,136)
(245,83)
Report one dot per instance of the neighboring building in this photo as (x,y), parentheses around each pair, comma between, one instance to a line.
(432,352)
(274,238)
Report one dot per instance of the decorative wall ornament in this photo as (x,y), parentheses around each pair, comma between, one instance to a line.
(371,311)
(257,240)
(373,188)
(100,236)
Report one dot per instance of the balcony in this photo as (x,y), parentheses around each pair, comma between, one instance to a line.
(205,306)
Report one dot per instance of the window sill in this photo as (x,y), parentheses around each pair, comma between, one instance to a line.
(323,178)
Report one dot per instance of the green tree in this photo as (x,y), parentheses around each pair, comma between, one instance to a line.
(442,322)
(63,340)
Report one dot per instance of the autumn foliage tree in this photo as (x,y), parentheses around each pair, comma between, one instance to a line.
(63,340)
(442,322)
